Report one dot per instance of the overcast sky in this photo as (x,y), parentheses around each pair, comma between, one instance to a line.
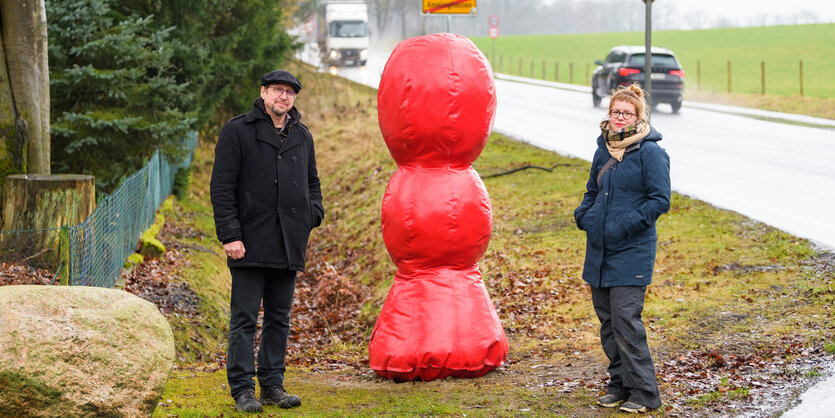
(745,10)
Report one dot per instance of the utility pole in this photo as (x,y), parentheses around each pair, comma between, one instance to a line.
(648,55)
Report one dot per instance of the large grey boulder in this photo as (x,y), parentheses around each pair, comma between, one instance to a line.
(81,351)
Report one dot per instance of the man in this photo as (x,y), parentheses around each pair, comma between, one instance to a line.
(266,199)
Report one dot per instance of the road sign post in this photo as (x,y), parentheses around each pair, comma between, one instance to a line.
(493,33)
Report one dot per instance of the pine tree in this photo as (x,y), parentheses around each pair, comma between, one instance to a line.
(115,97)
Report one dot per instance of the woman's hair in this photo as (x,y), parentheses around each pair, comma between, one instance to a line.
(634,95)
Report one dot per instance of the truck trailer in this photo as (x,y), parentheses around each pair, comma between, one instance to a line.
(342,28)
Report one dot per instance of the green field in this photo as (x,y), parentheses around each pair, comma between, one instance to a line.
(703,53)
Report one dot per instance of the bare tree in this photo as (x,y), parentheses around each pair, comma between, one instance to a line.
(24,47)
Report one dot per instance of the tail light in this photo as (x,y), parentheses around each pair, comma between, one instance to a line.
(627,71)
(679,73)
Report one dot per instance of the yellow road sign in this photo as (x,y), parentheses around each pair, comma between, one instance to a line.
(449,7)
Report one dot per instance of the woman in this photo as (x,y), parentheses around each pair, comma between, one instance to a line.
(628,189)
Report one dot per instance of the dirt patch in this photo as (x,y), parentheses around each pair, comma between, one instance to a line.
(155,281)
(745,269)
(16,274)
(823,265)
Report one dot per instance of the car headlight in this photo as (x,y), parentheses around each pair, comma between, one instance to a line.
(334,54)
(364,54)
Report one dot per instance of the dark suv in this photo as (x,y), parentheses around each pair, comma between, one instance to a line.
(625,65)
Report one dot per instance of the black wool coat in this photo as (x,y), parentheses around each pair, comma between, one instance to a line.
(265,191)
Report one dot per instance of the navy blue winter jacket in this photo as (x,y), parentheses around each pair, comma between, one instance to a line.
(619,216)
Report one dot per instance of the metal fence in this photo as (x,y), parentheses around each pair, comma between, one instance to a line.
(93,252)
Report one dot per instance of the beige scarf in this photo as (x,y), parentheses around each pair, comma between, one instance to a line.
(617,142)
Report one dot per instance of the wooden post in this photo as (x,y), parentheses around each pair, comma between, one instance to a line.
(801,78)
(762,71)
(543,69)
(571,73)
(729,76)
(698,75)
(520,67)
(38,202)
(587,73)
(557,71)
(532,69)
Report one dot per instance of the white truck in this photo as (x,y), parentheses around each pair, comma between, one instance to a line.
(342,28)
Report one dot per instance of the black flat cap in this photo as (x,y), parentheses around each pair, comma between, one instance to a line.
(281,77)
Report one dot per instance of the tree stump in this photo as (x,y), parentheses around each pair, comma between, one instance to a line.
(37,212)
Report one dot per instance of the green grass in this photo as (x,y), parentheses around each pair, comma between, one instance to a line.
(709,50)
(197,394)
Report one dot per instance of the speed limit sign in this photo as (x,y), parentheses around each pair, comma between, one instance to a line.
(493,32)
(493,20)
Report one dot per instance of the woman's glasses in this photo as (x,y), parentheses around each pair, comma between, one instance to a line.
(617,113)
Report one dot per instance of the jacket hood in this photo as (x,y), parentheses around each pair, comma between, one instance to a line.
(436,102)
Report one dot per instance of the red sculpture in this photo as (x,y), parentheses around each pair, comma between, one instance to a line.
(436,104)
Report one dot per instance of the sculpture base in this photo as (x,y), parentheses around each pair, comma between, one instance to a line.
(437,324)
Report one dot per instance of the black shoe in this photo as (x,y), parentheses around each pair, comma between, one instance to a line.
(246,402)
(634,408)
(610,401)
(276,395)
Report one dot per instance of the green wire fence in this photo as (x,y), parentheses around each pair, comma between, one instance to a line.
(93,252)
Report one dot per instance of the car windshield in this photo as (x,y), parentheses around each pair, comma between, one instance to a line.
(658,60)
(348,29)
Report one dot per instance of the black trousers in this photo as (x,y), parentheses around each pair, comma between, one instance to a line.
(251,286)
(624,341)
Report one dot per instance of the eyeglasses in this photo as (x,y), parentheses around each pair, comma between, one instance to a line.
(617,113)
(278,91)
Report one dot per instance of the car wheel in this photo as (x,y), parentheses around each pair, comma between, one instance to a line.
(595,99)
(676,106)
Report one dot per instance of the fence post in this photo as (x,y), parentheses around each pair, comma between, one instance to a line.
(543,69)
(532,69)
(557,71)
(762,71)
(698,75)
(571,73)
(510,65)
(729,76)
(520,67)
(801,78)
(587,74)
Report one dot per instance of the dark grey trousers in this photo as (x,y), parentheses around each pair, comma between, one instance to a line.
(251,285)
(624,341)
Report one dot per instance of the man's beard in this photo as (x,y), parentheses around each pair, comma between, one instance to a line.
(278,112)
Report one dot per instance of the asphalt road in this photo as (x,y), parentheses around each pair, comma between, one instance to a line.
(775,172)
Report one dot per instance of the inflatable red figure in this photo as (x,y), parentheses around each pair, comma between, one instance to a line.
(436,104)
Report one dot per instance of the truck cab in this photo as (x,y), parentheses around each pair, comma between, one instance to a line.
(343,33)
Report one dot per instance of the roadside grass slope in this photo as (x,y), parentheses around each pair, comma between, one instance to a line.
(780,47)
(736,307)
